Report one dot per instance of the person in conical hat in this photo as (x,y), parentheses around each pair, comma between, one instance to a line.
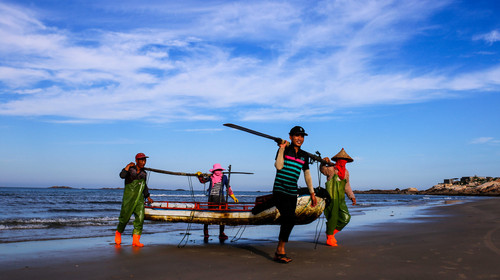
(337,185)
(217,182)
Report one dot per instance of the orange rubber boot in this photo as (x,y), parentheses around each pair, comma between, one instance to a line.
(118,238)
(330,240)
(135,241)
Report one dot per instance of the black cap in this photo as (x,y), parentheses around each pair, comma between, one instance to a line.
(297,130)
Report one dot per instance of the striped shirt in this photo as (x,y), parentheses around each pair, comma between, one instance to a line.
(286,178)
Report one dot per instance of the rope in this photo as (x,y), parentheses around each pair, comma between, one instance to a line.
(147,179)
(188,229)
(240,229)
(317,233)
(318,170)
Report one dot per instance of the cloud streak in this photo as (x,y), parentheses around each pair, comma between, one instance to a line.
(490,37)
(485,140)
(256,61)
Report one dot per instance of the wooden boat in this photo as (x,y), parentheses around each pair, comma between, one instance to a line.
(232,213)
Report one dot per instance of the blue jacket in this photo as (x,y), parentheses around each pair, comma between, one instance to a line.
(224,183)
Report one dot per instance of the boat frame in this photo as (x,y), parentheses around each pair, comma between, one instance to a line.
(231,213)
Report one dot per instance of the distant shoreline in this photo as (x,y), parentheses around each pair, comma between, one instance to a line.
(444,192)
(491,188)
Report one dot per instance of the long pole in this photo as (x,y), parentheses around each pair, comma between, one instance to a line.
(228,180)
(186,174)
(276,139)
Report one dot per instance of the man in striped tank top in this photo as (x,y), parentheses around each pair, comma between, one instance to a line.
(290,160)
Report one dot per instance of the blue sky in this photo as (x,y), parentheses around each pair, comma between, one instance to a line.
(411,89)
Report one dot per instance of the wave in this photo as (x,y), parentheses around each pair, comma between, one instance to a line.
(105,202)
(82,210)
(37,223)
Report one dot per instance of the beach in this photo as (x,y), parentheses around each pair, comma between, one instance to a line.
(457,241)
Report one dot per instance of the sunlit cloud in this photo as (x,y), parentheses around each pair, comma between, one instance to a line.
(319,57)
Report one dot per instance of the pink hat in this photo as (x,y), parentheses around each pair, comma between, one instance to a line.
(217,167)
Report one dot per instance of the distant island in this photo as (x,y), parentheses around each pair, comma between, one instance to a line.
(60,187)
(472,185)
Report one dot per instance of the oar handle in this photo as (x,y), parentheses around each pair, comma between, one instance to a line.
(317,158)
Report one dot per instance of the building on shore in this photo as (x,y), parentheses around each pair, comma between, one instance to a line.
(450,181)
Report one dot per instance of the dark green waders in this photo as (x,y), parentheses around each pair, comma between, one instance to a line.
(132,203)
(336,212)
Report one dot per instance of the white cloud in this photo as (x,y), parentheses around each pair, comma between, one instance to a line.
(490,37)
(485,140)
(320,59)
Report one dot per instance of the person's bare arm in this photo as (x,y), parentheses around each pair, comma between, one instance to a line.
(328,171)
(309,183)
(348,189)
(280,159)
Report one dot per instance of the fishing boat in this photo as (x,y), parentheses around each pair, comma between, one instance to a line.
(262,212)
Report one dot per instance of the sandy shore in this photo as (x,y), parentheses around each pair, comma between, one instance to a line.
(460,241)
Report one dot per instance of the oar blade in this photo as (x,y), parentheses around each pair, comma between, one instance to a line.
(277,139)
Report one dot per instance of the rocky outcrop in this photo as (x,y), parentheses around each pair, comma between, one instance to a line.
(489,188)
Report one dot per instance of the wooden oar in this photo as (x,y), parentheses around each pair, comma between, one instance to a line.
(187,174)
(276,139)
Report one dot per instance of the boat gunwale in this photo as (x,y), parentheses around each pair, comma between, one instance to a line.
(205,206)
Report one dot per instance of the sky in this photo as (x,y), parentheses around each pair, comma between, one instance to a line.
(410,89)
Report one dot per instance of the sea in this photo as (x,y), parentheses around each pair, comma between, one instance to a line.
(38,214)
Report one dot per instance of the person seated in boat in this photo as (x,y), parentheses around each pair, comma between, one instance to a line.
(217,182)
(336,212)
(134,193)
(290,161)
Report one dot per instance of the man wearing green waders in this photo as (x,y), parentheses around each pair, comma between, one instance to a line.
(134,194)
(336,212)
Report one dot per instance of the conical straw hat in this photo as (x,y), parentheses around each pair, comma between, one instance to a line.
(342,155)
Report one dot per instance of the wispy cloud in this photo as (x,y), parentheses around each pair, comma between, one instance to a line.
(255,60)
(490,37)
(485,140)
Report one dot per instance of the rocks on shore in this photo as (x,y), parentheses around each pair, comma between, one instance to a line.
(490,188)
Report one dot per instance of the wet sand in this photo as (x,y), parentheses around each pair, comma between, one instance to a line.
(459,241)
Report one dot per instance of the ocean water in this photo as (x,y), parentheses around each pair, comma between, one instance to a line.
(35,214)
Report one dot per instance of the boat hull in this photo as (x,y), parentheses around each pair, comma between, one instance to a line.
(229,213)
